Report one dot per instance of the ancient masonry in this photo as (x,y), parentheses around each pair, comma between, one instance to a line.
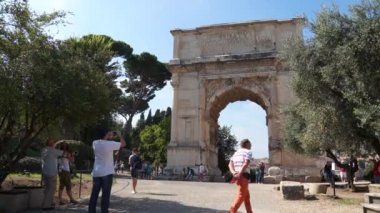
(215,65)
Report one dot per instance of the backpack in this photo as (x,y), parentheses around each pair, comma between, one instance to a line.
(137,162)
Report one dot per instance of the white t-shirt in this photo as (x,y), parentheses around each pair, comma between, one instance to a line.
(103,151)
(239,157)
(64,164)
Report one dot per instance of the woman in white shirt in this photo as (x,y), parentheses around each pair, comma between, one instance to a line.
(64,173)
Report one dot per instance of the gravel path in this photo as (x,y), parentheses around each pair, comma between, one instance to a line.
(197,197)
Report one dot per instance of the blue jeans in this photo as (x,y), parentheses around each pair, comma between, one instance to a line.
(105,184)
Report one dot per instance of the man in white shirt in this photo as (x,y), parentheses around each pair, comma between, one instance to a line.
(239,167)
(103,168)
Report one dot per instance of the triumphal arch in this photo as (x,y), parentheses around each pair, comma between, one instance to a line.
(219,64)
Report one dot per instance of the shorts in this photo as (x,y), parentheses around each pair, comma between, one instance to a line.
(64,180)
(134,173)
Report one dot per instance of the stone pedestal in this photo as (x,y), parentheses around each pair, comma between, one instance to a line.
(35,196)
(375,188)
(292,191)
(318,188)
(13,201)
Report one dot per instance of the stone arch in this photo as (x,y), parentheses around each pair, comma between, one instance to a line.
(216,65)
(234,93)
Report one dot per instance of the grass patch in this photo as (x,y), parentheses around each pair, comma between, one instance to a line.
(30,176)
(350,201)
(85,177)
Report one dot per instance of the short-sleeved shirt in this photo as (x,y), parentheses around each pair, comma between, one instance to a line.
(133,160)
(103,150)
(49,156)
(64,164)
(239,157)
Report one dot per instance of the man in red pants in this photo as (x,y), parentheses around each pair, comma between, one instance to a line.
(239,167)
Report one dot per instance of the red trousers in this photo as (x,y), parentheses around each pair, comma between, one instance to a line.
(242,196)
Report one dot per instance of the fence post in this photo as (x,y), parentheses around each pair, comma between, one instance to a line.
(80,183)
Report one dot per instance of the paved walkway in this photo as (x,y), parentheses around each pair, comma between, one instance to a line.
(198,197)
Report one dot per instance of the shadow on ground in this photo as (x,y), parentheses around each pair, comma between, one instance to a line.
(138,205)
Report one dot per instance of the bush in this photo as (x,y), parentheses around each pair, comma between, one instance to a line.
(84,156)
(368,172)
(29,164)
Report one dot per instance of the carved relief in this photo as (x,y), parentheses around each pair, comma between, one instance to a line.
(214,85)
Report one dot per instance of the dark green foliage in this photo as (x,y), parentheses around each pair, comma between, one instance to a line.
(51,88)
(336,80)
(145,75)
(226,143)
(141,122)
(154,140)
(149,118)
(168,112)
(157,117)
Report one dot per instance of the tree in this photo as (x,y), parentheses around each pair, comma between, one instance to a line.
(145,75)
(168,112)
(141,122)
(149,118)
(226,143)
(154,141)
(46,83)
(157,117)
(336,75)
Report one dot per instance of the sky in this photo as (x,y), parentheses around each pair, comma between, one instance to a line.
(145,25)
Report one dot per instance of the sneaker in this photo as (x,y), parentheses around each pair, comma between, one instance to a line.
(133,192)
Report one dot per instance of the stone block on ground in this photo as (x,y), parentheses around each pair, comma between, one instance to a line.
(279,178)
(317,188)
(370,207)
(292,191)
(372,198)
(374,188)
(312,179)
(13,201)
(35,196)
(269,180)
(274,171)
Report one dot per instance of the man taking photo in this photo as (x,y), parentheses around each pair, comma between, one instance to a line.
(103,168)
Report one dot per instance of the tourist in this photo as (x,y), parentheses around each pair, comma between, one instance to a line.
(262,172)
(258,173)
(148,171)
(64,173)
(202,171)
(49,157)
(376,171)
(327,172)
(135,163)
(103,168)
(239,167)
(343,174)
(122,167)
(190,174)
